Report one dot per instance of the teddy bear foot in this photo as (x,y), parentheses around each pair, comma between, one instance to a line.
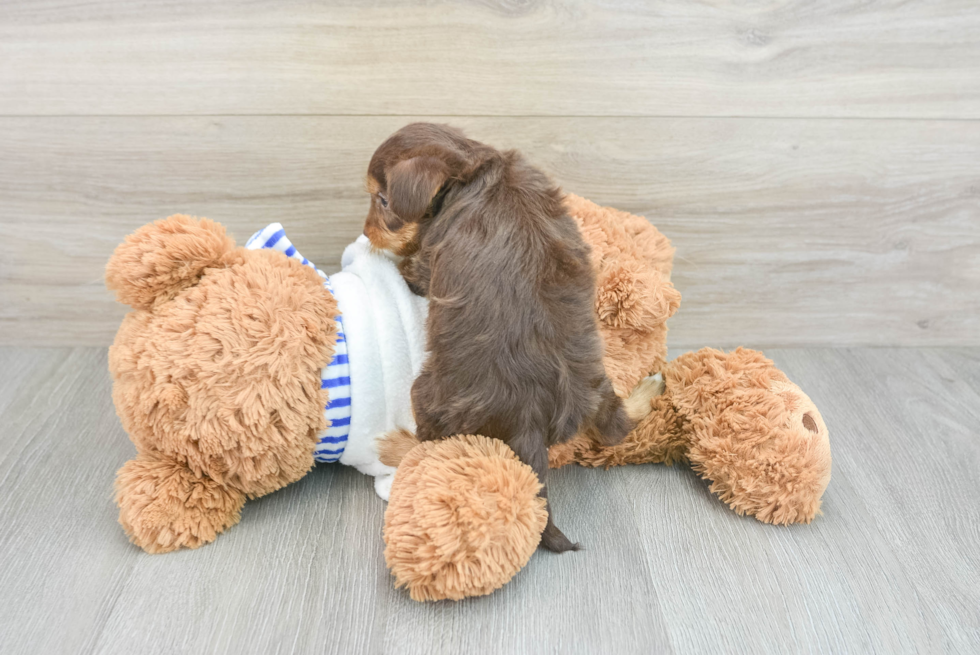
(754,435)
(464,516)
(164,506)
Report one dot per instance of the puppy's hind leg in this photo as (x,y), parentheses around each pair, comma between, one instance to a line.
(531,449)
(640,401)
(611,420)
(552,538)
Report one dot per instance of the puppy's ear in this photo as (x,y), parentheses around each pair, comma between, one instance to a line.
(413,183)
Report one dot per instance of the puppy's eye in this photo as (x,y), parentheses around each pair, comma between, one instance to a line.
(384,201)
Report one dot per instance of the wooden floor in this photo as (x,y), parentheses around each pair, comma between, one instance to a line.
(891,567)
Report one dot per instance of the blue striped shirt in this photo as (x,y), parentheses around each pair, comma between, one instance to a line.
(335,376)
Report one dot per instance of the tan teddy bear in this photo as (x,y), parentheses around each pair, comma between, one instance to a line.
(219,380)
(216,377)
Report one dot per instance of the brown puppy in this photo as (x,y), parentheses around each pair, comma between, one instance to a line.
(514,348)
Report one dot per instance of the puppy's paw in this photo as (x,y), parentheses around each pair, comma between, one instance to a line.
(394,445)
(640,401)
(552,539)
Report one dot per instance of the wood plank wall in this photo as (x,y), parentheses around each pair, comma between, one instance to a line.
(817,165)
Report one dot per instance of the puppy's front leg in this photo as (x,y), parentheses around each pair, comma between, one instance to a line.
(425,408)
(394,445)
(416,273)
(530,448)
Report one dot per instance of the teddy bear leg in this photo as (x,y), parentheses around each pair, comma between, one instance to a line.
(754,434)
(164,506)
(464,516)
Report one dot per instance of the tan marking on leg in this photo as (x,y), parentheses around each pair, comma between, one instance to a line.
(394,445)
(640,400)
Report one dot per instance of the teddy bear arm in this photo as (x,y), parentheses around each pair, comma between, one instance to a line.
(758,439)
(634,296)
(163,505)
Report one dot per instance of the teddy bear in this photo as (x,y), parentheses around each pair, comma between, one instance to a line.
(238,368)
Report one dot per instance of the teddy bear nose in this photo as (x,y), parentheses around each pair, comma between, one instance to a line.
(810,424)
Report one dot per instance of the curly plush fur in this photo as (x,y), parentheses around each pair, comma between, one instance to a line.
(164,506)
(215,371)
(216,377)
(464,516)
(740,423)
(458,522)
(634,296)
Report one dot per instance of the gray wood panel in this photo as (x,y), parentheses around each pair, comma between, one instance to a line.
(492,57)
(891,566)
(788,232)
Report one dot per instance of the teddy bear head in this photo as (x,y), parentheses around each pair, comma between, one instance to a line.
(216,373)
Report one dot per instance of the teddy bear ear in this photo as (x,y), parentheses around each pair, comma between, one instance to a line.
(158,260)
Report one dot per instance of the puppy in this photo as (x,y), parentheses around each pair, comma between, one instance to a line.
(513,345)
